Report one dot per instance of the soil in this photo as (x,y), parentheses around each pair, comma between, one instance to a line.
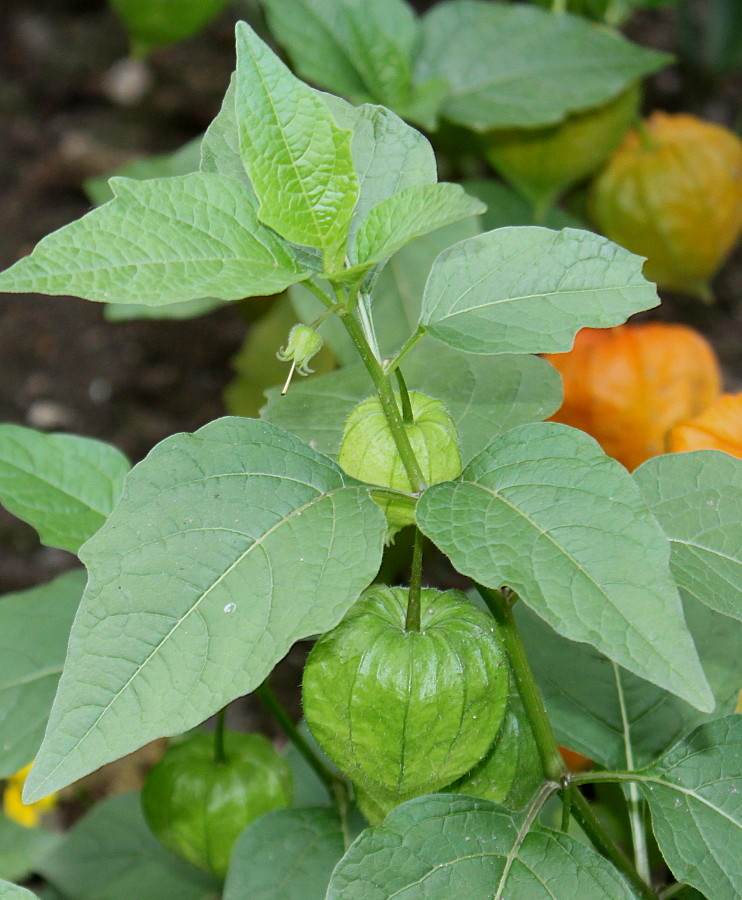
(71,108)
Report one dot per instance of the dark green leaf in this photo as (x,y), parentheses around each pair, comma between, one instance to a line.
(546,512)
(152,23)
(223,551)
(63,485)
(697,499)
(34,629)
(21,849)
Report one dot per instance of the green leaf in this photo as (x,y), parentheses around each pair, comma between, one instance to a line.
(21,849)
(188,609)
(63,485)
(437,848)
(546,512)
(296,157)
(220,147)
(411,213)
(529,290)
(610,715)
(256,365)
(697,499)
(13,892)
(188,309)
(289,853)
(360,50)
(181,162)
(34,629)
(506,207)
(112,854)
(485,396)
(523,66)
(388,155)
(161,241)
(695,798)
(152,23)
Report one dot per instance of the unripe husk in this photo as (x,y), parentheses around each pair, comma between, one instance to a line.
(368,451)
(406,713)
(673,192)
(542,163)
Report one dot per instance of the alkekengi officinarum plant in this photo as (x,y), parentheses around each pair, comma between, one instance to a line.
(613,600)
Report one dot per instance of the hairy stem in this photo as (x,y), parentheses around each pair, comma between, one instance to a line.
(412,622)
(500,604)
(605,844)
(220,756)
(409,344)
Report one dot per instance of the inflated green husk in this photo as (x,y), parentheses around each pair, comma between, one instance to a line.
(512,771)
(197,807)
(406,713)
(368,451)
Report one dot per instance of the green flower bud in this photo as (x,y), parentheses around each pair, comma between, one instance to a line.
(303,344)
(404,713)
(368,451)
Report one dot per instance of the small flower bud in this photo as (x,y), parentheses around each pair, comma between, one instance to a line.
(303,344)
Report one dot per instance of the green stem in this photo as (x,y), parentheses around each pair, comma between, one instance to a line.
(388,403)
(500,604)
(404,396)
(319,294)
(411,342)
(220,756)
(274,707)
(567,791)
(412,622)
(604,843)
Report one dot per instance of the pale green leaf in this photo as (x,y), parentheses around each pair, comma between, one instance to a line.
(409,214)
(34,629)
(182,161)
(220,147)
(224,550)
(285,854)
(522,66)
(298,160)
(610,715)
(63,485)
(188,309)
(112,854)
(351,47)
(546,512)
(697,499)
(485,396)
(440,847)
(695,798)
(529,290)
(21,849)
(10,891)
(161,241)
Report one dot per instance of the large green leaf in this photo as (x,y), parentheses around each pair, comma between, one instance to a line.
(523,66)
(411,213)
(34,629)
(545,511)
(112,854)
(528,290)
(286,854)
(63,485)
(438,848)
(10,891)
(697,499)
(224,550)
(485,395)
(609,714)
(220,147)
(162,241)
(695,797)
(359,49)
(296,157)
(21,849)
